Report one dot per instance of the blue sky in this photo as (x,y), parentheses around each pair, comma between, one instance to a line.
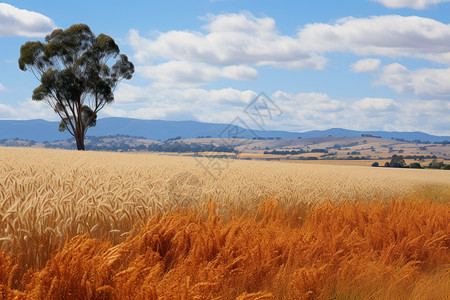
(364,65)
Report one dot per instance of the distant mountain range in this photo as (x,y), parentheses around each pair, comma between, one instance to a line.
(41,130)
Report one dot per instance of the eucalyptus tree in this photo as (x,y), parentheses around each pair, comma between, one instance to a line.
(78,73)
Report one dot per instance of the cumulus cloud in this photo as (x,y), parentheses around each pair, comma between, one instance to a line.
(365,65)
(207,105)
(228,47)
(6,112)
(317,102)
(21,22)
(301,111)
(392,36)
(231,46)
(158,112)
(219,105)
(26,110)
(134,95)
(228,39)
(376,104)
(426,115)
(2,87)
(188,74)
(425,83)
(416,4)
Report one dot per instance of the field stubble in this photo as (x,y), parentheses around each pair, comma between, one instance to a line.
(154,223)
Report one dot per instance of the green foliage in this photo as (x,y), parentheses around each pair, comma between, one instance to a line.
(435,164)
(76,75)
(375,164)
(387,165)
(62,126)
(446,167)
(397,161)
(415,165)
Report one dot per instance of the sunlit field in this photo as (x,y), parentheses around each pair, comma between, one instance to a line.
(146,226)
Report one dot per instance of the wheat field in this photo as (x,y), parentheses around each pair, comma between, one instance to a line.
(94,225)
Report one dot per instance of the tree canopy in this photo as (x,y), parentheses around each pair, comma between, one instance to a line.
(397,161)
(76,74)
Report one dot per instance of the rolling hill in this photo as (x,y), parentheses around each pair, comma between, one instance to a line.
(41,130)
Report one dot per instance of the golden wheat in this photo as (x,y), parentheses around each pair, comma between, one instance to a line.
(48,197)
(350,250)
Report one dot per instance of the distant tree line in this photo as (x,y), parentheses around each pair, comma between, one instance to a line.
(174,139)
(417,141)
(397,161)
(112,136)
(181,147)
(420,157)
(285,152)
(308,158)
(370,135)
(259,138)
(295,152)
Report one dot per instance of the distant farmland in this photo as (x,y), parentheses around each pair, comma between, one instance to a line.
(347,149)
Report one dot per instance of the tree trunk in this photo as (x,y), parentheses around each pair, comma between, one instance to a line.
(79,129)
(80,141)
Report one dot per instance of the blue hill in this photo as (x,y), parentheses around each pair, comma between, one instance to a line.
(40,130)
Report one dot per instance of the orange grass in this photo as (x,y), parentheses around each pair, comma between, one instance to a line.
(352,250)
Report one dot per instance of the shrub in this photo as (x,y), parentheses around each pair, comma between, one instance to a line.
(397,161)
(446,167)
(415,165)
(435,164)
(387,165)
(375,164)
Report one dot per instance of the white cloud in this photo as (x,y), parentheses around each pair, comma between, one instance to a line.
(301,112)
(133,95)
(231,46)
(365,65)
(6,112)
(312,102)
(416,4)
(230,39)
(244,22)
(26,110)
(188,74)
(214,105)
(426,83)
(425,115)
(2,87)
(392,36)
(21,22)
(376,104)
